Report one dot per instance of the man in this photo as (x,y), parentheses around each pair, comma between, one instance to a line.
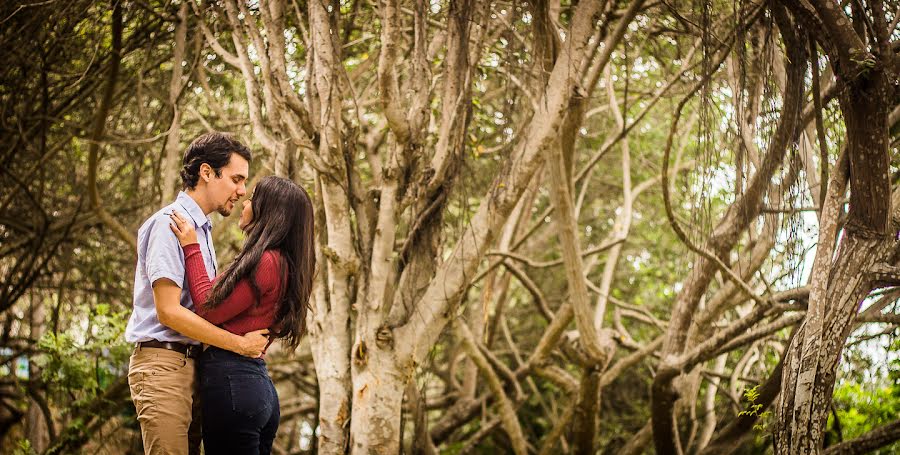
(166,332)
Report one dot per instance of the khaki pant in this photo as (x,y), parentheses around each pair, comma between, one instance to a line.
(164,390)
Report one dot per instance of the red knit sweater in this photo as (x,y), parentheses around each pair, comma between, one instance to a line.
(239,313)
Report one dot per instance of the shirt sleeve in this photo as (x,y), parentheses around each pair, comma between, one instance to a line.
(164,258)
(267,275)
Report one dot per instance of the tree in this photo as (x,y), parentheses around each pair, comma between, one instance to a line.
(542,226)
(845,271)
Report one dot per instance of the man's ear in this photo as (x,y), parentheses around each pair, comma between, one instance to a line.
(206,172)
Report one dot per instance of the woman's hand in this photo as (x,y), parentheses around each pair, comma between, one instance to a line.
(183,229)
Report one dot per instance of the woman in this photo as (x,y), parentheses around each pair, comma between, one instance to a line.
(267,286)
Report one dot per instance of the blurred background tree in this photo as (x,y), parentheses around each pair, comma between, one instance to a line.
(469,161)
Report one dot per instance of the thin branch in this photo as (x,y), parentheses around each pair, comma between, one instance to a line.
(99,129)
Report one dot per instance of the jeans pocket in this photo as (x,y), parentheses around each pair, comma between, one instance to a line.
(250,394)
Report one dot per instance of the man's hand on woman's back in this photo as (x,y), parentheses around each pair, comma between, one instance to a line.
(253,343)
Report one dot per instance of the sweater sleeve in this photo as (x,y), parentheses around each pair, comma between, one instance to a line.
(267,275)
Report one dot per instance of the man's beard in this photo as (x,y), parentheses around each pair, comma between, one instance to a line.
(224,211)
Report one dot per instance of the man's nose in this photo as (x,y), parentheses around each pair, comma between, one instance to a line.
(241,190)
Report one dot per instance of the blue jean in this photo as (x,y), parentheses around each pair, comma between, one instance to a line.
(240,404)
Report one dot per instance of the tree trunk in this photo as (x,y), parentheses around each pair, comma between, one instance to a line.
(377,400)
(330,348)
(814,354)
(584,431)
(838,286)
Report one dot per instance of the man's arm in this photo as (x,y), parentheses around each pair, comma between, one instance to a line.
(167,296)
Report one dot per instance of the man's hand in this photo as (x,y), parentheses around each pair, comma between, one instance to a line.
(166,295)
(253,343)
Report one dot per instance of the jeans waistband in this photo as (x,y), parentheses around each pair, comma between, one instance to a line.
(213,354)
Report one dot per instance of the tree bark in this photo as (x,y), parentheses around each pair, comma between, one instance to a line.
(838,285)
(584,431)
(331,339)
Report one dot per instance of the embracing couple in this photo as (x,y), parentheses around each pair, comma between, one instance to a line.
(182,302)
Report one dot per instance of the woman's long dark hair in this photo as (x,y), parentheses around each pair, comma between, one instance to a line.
(282,221)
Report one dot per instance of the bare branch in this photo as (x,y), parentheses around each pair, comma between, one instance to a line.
(99,128)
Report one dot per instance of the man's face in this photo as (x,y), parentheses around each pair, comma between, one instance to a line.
(226,189)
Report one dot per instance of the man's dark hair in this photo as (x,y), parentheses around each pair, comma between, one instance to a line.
(214,149)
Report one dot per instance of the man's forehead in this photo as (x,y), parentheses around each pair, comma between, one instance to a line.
(237,165)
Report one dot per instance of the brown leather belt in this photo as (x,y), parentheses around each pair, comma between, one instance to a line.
(191,351)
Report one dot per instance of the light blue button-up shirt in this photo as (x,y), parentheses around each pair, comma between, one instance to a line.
(160,256)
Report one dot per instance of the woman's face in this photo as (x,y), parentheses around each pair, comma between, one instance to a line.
(246,214)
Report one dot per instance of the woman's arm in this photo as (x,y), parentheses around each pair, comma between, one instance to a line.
(200,286)
(267,275)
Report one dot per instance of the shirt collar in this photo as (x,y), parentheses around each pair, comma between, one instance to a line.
(193,210)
